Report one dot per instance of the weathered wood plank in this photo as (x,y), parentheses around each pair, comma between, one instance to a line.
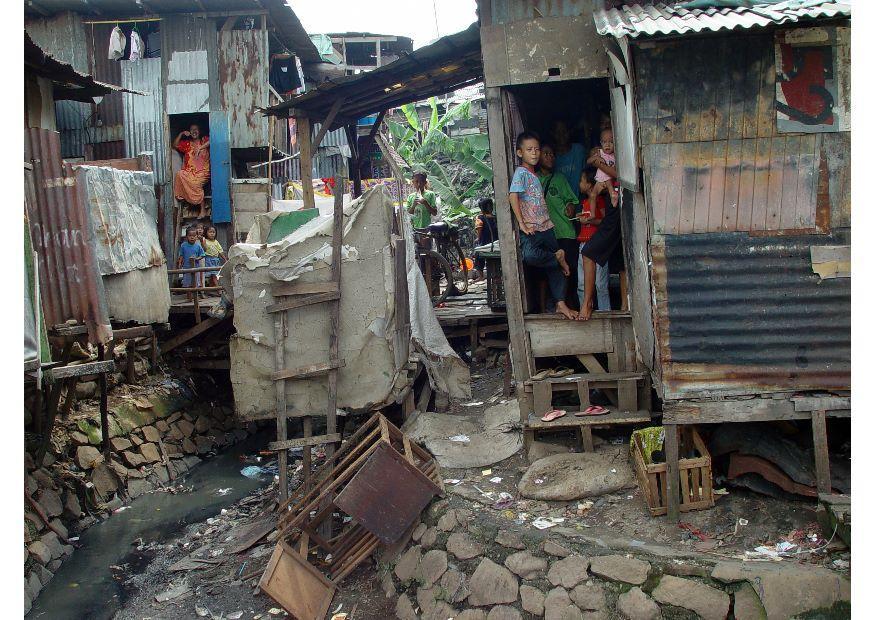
(702,209)
(276,446)
(672,477)
(303,288)
(760,207)
(718,186)
(301,302)
(731,185)
(552,337)
(305,372)
(776,183)
(79,370)
(747,183)
(687,198)
(790,197)
(821,451)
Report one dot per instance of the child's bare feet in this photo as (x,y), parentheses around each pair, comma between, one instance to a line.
(585,310)
(563,264)
(563,309)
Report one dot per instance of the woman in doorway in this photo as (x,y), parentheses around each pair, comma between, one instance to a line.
(195,173)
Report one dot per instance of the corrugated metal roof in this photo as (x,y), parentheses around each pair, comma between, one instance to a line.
(634,20)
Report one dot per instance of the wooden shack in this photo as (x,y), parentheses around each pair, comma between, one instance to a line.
(732,133)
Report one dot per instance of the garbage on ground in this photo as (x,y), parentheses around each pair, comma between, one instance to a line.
(543,523)
(460,438)
(505,500)
(257,471)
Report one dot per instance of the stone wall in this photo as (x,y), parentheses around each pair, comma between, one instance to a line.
(156,433)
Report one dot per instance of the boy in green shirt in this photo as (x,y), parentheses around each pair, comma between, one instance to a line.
(421,204)
(561,204)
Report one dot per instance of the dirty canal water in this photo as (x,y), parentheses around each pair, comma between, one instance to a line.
(85,587)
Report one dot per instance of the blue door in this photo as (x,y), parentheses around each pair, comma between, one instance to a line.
(220,167)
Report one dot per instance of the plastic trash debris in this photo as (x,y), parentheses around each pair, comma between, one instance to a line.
(221,492)
(475,403)
(118,510)
(743,522)
(202,612)
(539,481)
(495,479)
(720,492)
(460,438)
(486,472)
(453,481)
(235,615)
(505,500)
(542,523)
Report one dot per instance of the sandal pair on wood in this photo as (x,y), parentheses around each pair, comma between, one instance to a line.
(552,373)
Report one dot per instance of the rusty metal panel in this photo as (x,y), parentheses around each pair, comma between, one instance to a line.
(71,285)
(243,84)
(109,110)
(62,36)
(739,314)
(387,494)
(144,115)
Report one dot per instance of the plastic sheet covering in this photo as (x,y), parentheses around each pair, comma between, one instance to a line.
(123,215)
(371,377)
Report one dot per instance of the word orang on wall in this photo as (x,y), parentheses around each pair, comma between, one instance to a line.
(812,80)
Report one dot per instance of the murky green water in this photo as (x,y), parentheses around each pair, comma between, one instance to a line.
(84,588)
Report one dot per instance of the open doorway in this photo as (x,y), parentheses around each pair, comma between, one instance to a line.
(189,139)
(569,117)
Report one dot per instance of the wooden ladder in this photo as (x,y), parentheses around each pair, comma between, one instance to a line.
(290,296)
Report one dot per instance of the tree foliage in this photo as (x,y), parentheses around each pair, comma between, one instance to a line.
(458,167)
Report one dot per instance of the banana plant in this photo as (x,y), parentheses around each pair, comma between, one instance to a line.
(458,167)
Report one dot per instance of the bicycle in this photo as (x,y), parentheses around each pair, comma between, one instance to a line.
(445,270)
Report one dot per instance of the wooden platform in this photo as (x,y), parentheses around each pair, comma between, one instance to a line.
(614,416)
(179,304)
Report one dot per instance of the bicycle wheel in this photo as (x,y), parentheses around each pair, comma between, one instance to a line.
(456,257)
(441,276)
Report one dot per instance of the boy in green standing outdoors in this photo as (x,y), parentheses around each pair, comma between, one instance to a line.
(561,204)
(422,203)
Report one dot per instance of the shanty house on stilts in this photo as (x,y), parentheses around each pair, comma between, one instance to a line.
(732,133)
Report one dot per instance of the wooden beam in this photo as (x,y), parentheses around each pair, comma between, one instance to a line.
(280,328)
(821,451)
(302,127)
(330,438)
(498,146)
(229,23)
(190,333)
(303,288)
(79,370)
(672,477)
(300,302)
(335,108)
(305,372)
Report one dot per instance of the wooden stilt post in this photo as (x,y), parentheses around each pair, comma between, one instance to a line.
(672,476)
(821,452)
(104,404)
(302,127)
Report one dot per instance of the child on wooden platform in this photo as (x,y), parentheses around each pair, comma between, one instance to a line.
(190,249)
(215,255)
(591,215)
(538,245)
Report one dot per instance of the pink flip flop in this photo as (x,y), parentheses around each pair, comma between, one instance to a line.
(553,415)
(592,410)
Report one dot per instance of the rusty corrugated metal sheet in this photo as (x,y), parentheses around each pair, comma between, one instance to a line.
(109,110)
(639,19)
(70,283)
(506,11)
(739,314)
(243,85)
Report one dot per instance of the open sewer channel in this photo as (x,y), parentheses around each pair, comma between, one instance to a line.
(84,587)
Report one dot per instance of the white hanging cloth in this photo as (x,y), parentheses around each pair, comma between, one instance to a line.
(117,41)
(138,49)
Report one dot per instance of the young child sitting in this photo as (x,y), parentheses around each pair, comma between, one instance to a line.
(215,255)
(538,244)
(603,158)
(190,249)
(591,215)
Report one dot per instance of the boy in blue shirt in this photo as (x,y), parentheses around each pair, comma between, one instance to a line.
(538,244)
(188,249)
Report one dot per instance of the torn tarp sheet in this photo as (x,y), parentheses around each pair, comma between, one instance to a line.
(123,215)
(370,377)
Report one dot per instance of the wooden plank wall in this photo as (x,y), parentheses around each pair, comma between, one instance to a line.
(714,160)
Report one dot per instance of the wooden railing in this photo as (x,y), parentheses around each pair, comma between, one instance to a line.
(196,289)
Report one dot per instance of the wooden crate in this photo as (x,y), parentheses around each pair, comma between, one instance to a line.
(696,487)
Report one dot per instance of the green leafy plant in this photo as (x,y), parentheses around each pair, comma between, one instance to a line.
(458,167)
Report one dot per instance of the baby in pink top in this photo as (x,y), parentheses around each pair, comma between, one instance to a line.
(603,158)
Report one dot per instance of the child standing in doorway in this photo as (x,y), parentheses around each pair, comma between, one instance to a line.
(215,255)
(591,215)
(538,244)
(190,249)
(603,158)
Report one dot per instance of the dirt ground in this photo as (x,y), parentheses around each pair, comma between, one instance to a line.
(225,585)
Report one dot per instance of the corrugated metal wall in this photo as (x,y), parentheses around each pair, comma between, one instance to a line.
(144,115)
(243,85)
(746,315)
(184,46)
(109,110)
(72,121)
(63,37)
(70,283)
